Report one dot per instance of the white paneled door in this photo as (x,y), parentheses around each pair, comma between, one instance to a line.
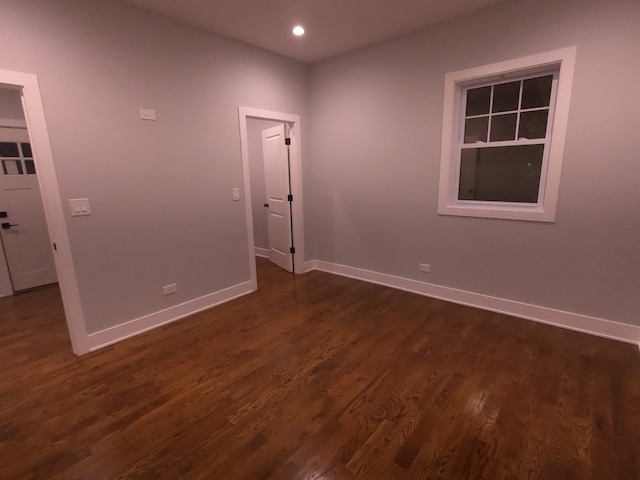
(277,185)
(24,228)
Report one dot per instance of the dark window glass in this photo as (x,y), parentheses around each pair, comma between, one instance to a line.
(506,97)
(8,149)
(12,167)
(26,150)
(30,167)
(536,92)
(478,101)
(533,124)
(503,127)
(501,174)
(475,129)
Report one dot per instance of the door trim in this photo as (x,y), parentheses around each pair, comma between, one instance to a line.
(244,113)
(53,208)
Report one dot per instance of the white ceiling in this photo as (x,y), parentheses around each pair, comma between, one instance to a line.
(333,26)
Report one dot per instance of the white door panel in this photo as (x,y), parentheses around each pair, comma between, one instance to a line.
(26,242)
(276,168)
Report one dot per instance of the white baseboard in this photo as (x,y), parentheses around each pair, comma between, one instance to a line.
(262,252)
(148,322)
(572,321)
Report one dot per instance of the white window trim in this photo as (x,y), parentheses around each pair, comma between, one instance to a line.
(545,210)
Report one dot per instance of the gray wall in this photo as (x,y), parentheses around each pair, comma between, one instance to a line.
(256,167)
(376,115)
(160,192)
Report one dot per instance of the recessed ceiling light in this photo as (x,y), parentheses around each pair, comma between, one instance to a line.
(298,31)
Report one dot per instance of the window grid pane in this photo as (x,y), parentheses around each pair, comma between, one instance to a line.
(9,149)
(506,97)
(17,158)
(533,124)
(30,166)
(536,92)
(26,150)
(478,101)
(12,167)
(503,127)
(527,101)
(475,129)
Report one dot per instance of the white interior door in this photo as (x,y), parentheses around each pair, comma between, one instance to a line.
(24,228)
(277,186)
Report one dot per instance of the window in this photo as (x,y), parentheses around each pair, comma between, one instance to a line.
(503,138)
(16,158)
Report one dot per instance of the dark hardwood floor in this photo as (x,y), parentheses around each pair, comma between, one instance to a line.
(317,377)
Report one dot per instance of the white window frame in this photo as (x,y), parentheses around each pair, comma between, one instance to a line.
(456,83)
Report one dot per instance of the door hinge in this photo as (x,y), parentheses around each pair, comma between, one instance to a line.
(290,197)
(292,250)
(287,141)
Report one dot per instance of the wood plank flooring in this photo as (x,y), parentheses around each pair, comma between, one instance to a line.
(317,377)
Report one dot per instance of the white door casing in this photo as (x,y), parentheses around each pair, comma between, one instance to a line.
(54,211)
(293,121)
(276,179)
(26,242)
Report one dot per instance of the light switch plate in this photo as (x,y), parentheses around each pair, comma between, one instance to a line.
(236,194)
(79,207)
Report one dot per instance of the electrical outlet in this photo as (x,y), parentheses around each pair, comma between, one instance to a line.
(148,114)
(168,289)
(423,267)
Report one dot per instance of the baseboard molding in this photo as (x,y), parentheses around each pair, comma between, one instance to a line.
(262,252)
(148,322)
(572,321)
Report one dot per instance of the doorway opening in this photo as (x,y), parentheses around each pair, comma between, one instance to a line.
(272,225)
(42,158)
(26,257)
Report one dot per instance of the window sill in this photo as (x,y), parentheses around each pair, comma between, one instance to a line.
(532,213)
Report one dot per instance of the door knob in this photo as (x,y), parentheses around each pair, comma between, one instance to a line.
(266,205)
(7,225)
